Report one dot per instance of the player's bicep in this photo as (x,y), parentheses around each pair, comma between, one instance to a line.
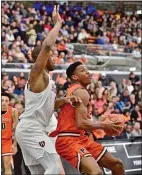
(81,108)
(80,114)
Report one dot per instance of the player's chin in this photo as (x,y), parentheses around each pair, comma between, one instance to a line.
(53,67)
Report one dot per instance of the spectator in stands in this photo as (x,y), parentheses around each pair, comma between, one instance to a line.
(130,87)
(113,88)
(10,36)
(136,53)
(133,78)
(32,36)
(118,104)
(105,94)
(127,133)
(99,102)
(82,36)
(122,86)
(136,115)
(126,113)
(136,130)
(103,79)
(101,88)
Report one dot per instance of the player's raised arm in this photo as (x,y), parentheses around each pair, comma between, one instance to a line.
(48,43)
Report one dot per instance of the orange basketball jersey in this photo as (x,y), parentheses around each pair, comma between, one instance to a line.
(7,124)
(66,119)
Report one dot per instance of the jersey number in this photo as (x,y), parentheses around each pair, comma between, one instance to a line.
(3,126)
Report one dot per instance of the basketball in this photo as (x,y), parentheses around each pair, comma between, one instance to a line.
(114,118)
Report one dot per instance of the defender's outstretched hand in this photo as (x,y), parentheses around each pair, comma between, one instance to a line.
(55,15)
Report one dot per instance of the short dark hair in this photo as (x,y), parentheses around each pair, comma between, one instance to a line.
(35,52)
(70,70)
(5,94)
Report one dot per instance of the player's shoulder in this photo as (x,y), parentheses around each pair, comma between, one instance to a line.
(83,94)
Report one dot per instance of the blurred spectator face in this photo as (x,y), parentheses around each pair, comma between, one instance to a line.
(5,77)
(20,108)
(10,58)
(114,100)
(129,129)
(132,75)
(126,93)
(97,90)
(60,93)
(127,114)
(117,98)
(38,43)
(116,111)
(123,81)
(99,84)
(129,82)
(62,55)
(7,84)
(105,92)
(137,108)
(99,96)
(110,105)
(18,38)
(105,106)
(136,126)
(132,97)
(4,55)
(96,111)
(113,85)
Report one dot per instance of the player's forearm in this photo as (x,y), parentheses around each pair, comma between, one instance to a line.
(14,140)
(88,125)
(52,35)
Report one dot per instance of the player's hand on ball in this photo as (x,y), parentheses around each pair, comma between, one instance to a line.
(112,124)
(14,149)
(55,15)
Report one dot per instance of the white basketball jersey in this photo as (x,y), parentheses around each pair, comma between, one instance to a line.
(39,107)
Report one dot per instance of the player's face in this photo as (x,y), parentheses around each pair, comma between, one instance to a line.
(50,66)
(5,103)
(82,75)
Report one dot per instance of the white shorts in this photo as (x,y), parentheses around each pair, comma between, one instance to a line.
(33,142)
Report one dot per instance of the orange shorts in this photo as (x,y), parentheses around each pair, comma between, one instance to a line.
(6,147)
(73,148)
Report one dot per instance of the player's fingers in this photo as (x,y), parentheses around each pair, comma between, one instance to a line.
(58,8)
(54,11)
(117,123)
(79,99)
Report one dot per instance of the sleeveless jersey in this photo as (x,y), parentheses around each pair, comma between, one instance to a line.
(7,124)
(66,119)
(39,107)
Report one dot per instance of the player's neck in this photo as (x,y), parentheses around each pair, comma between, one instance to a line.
(76,82)
(3,112)
(47,71)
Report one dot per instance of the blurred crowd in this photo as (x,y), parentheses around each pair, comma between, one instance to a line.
(107,95)
(24,28)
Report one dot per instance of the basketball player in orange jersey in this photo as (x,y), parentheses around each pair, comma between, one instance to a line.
(9,122)
(74,120)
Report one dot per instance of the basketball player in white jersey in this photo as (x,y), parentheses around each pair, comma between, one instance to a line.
(40,100)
